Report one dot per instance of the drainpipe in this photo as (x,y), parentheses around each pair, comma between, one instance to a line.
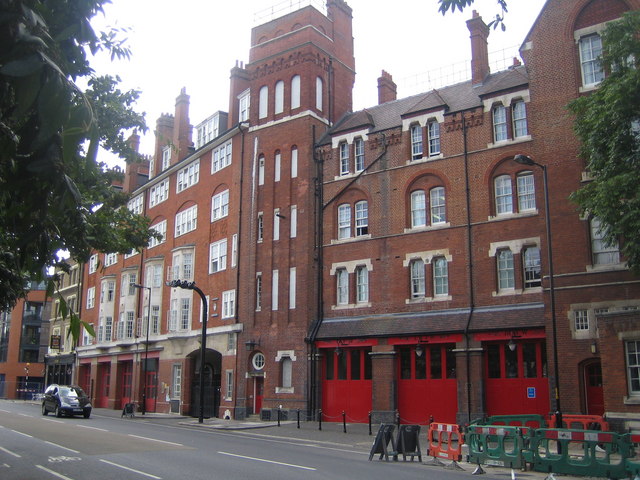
(470,269)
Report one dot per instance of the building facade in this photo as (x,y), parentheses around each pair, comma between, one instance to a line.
(392,261)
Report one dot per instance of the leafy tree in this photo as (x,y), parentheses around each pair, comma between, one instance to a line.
(54,194)
(608,124)
(446,5)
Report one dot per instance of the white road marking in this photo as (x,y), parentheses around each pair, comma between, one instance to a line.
(93,428)
(52,420)
(55,474)
(130,469)
(267,461)
(20,433)
(156,440)
(25,415)
(10,452)
(60,446)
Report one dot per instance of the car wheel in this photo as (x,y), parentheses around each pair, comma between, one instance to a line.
(58,412)
(44,410)
(86,414)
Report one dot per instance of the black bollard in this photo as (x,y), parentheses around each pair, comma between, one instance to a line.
(319,419)
(298,418)
(344,422)
(369,423)
(278,416)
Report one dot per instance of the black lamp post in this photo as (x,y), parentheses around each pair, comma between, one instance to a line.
(525,160)
(203,342)
(146,349)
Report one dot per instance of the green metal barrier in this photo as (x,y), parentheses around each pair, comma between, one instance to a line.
(501,446)
(632,462)
(525,420)
(580,452)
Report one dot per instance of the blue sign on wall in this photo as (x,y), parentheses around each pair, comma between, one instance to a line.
(531,392)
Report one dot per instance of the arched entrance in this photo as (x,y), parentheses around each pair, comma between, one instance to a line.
(593,392)
(212,376)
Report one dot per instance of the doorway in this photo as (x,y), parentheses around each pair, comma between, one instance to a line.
(593,391)
(212,382)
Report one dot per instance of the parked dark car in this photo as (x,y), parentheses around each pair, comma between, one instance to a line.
(66,400)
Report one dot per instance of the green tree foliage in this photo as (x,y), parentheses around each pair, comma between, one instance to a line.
(498,21)
(54,194)
(608,124)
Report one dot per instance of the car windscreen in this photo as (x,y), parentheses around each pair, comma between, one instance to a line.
(71,392)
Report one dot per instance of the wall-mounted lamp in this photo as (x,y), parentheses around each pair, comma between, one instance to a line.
(250,345)
(512,345)
(594,348)
(419,350)
(279,215)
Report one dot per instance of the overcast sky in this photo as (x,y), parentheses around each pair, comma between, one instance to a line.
(195,43)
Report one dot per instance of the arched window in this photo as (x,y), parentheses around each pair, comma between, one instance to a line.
(287,368)
(279,97)
(295,92)
(263,106)
(416,142)
(319,93)
(362,218)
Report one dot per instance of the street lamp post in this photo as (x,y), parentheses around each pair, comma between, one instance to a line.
(525,160)
(146,349)
(203,341)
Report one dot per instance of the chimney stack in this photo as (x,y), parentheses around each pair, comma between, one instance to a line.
(387,89)
(479,53)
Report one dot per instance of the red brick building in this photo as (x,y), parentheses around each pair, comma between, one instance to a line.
(391,260)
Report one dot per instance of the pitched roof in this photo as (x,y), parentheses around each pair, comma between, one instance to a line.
(452,98)
(521,316)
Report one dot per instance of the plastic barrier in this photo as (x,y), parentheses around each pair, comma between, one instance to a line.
(577,422)
(580,452)
(632,462)
(445,441)
(525,420)
(501,446)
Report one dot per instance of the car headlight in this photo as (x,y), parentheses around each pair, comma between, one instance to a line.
(64,404)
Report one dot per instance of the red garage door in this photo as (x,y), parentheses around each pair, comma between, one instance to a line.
(427,385)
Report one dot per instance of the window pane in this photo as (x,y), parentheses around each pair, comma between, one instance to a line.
(532,267)
(436,361)
(526,192)
(416,142)
(493,361)
(329,364)
(342,366)
(519,120)
(510,362)
(505,269)
(418,209)
(499,123)
(355,364)
(451,362)
(434,138)
(529,360)
(421,363)
(417,279)
(437,205)
(504,202)
(440,277)
(590,50)
(405,363)
(362,218)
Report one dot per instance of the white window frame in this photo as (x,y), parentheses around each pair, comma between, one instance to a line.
(590,49)
(531,267)
(505,269)
(110,259)
(91,297)
(244,105)
(503,195)
(519,119)
(221,157)
(220,205)
(344,221)
(166,157)
(358,152)
(362,284)
(526,189)
(418,209)
(440,268)
(602,253)
(319,89)
(261,167)
(437,205)
(186,220)
(136,204)
(500,130)
(275,278)
(294,162)
(293,223)
(279,97)
(295,92)
(418,278)
(218,256)
(343,149)
(263,103)
(292,288)
(342,286)
(93,263)
(188,176)
(176,382)
(362,218)
(433,130)
(228,303)
(416,141)
(159,193)
(161,228)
